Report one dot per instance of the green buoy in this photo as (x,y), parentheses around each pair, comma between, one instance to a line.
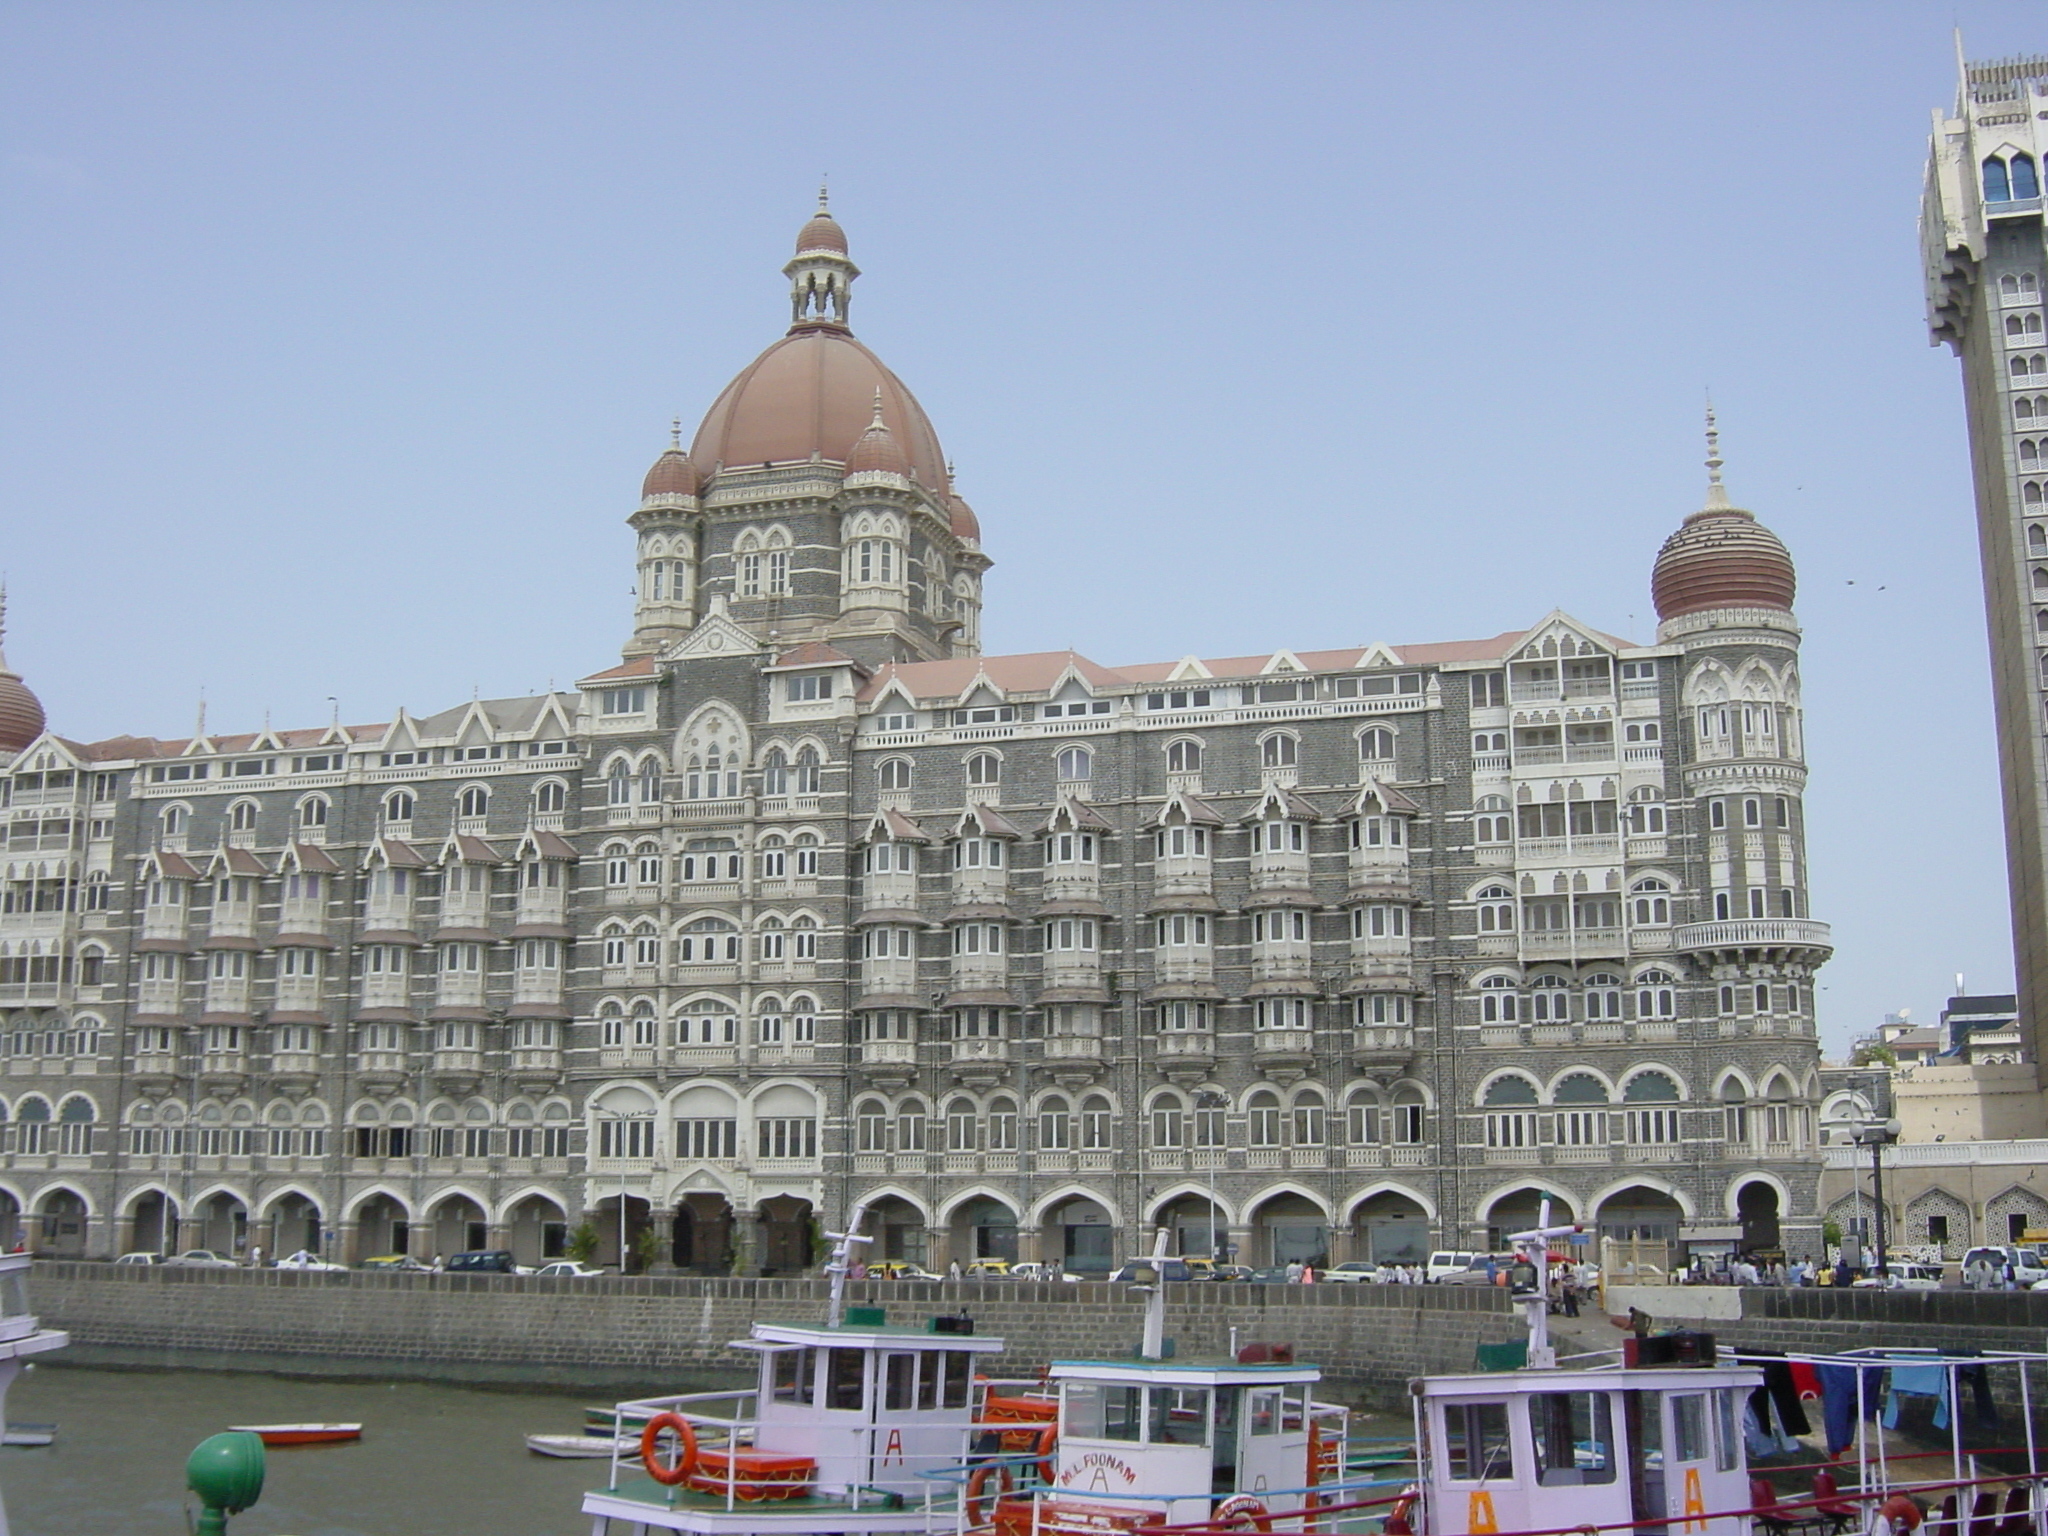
(226,1471)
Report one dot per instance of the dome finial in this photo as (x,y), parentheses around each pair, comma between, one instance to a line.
(878,409)
(824,194)
(675,431)
(1717,493)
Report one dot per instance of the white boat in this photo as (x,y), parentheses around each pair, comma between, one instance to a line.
(582,1446)
(24,1434)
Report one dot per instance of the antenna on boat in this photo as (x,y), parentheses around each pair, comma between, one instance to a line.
(1154,1347)
(1533,1247)
(841,1261)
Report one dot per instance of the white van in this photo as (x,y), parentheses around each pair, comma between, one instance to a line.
(1445,1262)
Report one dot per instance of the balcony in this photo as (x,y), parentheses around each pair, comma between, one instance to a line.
(1284,1054)
(1284,870)
(888,1053)
(1072,969)
(224,1072)
(979,973)
(536,1066)
(1184,963)
(893,890)
(979,888)
(458,1071)
(1272,963)
(1185,876)
(980,1051)
(1795,935)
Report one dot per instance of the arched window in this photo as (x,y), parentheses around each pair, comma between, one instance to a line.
(1511,1115)
(173,820)
(870,1126)
(1002,1124)
(551,797)
(313,812)
(650,781)
(1650,902)
(894,774)
(1310,1129)
(962,1123)
(1735,1111)
(1646,811)
(2026,182)
(1496,907)
(1997,183)
(1096,1127)
(1490,822)
(1652,1102)
(1581,1101)
(984,770)
(804,773)
(1055,1125)
(1376,745)
(243,817)
(708,940)
(1262,1118)
(1362,1118)
(476,800)
(1169,1121)
(1183,756)
(775,773)
(1499,1002)
(1076,765)
(1603,997)
(398,806)
(1278,750)
(1550,1000)
(618,785)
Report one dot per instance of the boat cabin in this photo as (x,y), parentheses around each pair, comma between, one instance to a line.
(1151,1438)
(872,1404)
(1554,1449)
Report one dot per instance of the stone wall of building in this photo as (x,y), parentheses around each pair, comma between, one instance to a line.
(655,1332)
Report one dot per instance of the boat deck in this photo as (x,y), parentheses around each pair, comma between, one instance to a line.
(640,1498)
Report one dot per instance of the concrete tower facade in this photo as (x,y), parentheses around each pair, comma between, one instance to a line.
(1981,233)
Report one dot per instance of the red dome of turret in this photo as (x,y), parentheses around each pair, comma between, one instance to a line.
(965,524)
(876,450)
(21,712)
(821,234)
(672,475)
(1721,556)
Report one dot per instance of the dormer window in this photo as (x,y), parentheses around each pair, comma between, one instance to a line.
(622,701)
(810,688)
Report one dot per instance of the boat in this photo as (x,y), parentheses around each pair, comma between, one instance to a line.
(580,1446)
(300,1434)
(25,1434)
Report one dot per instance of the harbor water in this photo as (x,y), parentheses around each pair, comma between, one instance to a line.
(433,1460)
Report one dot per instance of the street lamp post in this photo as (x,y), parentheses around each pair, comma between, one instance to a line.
(616,1117)
(1209,1099)
(1877,1137)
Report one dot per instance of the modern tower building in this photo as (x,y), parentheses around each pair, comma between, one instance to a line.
(1981,232)
(1321,953)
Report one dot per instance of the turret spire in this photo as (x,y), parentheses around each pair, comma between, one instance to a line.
(1717,493)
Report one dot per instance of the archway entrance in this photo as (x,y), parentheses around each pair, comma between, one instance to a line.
(604,1216)
(63,1224)
(1391,1228)
(991,1229)
(1196,1227)
(156,1224)
(702,1243)
(1082,1240)
(1519,1211)
(459,1226)
(223,1225)
(898,1230)
(1638,1225)
(784,1246)
(1756,1206)
(1292,1229)
(537,1231)
(295,1224)
(381,1228)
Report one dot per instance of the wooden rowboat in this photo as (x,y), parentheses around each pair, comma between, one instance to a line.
(301,1434)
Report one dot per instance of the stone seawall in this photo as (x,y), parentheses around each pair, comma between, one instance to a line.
(661,1332)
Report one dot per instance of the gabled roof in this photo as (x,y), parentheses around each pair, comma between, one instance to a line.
(470,850)
(639,666)
(1192,809)
(175,866)
(1388,796)
(1077,814)
(1286,802)
(312,859)
(986,820)
(398,855)
(815,653)
(895,827)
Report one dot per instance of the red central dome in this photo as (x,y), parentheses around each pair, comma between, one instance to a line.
(21,712)
(1722,558)
(813,393)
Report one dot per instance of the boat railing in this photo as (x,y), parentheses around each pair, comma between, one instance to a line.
(733,1428)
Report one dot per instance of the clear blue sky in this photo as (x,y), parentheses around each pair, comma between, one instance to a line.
(338,336)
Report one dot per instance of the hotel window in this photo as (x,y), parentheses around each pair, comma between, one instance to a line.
(1379,1009)
(1075,764)
(984,770)
(1183,756)
(1496,909)
(810,689)
(1278,751)
(1489,689)
(1499,1002)
(1376,745)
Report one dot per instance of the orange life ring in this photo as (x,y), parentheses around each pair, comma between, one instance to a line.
(650,1449)
(1048,1437)
(1243,1510)
(1900,1514)
(1397,1522)
(976,1502)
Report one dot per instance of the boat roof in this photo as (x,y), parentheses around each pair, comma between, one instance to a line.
(898,1336)
(1185,1371)
(1672,1378)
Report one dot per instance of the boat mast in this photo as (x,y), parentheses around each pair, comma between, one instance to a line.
(1534,1246)
(1154,1347)
(842,1257)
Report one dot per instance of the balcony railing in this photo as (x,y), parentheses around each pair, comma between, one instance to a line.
(1754,933)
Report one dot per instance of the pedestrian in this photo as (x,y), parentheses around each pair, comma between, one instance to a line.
(1492,1270)
(953,1270)
(1568,1292)
(256,1257)
(1294,1271)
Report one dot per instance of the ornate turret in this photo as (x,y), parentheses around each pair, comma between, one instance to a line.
(1721,556)
(821,274)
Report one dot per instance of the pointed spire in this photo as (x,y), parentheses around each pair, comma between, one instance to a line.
(3,625)
(877,422)
(1717,493)
(675,432)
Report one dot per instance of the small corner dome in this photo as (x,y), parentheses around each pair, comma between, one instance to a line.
(672,475)
(876,450)
(1722,557)
(821,234)
(965,524)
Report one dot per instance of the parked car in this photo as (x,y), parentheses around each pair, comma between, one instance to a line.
(1275,1276)
(2026,1263)
(1029,1270)
(1357,1272)
(1445,1262)
(398,1261)
(988,1269)
(565,1269)
(899,1269)
(1903,1277)
(1475,1271)
(203,1258)
(1238,1272)
(1143,1272)
(485,1261)
(140,1258)
(307,1260)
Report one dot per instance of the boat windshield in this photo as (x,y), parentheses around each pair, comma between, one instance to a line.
(1573,1438)
(1476,1441)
